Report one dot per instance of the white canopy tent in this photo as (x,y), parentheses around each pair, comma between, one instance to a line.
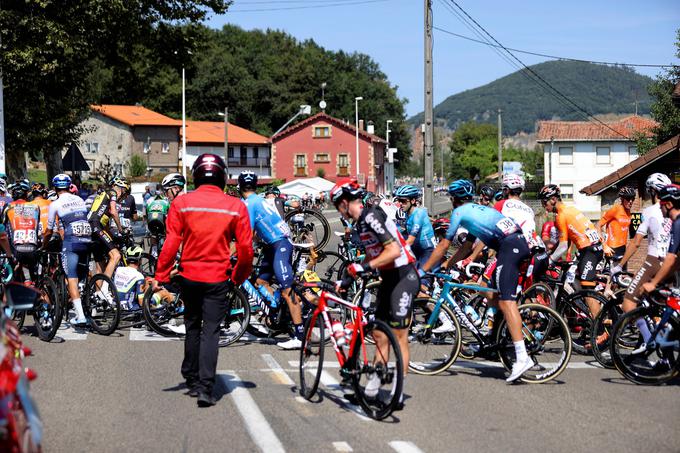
(312,186)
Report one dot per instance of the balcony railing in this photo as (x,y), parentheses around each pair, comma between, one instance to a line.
(248,162)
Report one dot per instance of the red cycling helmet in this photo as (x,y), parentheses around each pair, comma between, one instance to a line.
(350,190)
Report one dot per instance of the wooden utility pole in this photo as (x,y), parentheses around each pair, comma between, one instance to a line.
(500,148)
(429,135)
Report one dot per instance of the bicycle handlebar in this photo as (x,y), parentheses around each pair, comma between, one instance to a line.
(471,266)
(450,279)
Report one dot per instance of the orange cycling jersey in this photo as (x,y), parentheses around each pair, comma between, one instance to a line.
(575,227)
(23,219)
(44,211)
(617,221)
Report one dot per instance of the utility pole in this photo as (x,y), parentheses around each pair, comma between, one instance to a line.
(500,148)
(429,138)
(226,139)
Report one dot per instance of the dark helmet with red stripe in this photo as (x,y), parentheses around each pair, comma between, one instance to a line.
(209,169)
(349,190)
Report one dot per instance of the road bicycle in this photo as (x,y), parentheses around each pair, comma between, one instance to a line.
(308,225)
(375,372)
(435,335)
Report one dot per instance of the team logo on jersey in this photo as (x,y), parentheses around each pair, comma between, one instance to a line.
(404,304)
(375,224)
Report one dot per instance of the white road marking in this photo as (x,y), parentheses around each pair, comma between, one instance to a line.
(300,399)
(401,446)
(326,364)
(68,333)
(342,446)
(462,363)
(258,427)
(336,389)
(276,370)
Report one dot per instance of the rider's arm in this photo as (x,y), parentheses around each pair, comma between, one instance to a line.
(631,249)
(464,250)
(173,239)
(437,254)
(667,268)
(113,208)
(563,245)
(476,251)
(51,221)
(244,246)
(391,252)
(561,249)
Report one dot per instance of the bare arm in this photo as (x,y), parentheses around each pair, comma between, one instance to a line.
(631,249)
(390,253)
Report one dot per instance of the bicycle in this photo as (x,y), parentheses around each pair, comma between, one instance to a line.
(361,361)
(308,225)
(546,335)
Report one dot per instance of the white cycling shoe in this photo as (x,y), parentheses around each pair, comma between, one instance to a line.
(293,343)
(519,368)
(181,329)
(372,386)
(446,326)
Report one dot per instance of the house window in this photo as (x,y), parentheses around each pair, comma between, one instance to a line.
(633,152)
(566,155)
(230,152)
(322,158)
(322,131)
(165,148)
(92,147)
(300,165)
(147,147)
(567,191)
(602,155)
(343,165)
(255,153)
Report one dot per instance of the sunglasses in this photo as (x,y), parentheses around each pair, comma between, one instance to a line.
(403,200)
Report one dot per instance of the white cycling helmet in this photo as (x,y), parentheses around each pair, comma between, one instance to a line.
(513,181)
(657,181)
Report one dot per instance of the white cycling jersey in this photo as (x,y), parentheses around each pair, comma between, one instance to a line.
(523,216)
(657,229)
(72,213)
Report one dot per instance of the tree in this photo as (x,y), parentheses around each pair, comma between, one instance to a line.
(137,165)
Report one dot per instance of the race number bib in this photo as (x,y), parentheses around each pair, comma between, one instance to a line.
(81,229)
(125,222)
(592,236)
(25,237)
(506,226)
(571,274)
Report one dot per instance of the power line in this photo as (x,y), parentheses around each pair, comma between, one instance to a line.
(555,90)
(555,56)
(323,5)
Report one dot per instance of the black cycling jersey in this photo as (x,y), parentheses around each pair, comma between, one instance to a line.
(674,246)
(100,211)
(376,231)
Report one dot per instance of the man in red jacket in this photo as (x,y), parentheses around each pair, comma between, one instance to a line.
(204,223)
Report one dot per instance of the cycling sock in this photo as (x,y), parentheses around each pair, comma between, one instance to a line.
(520,351)
(299,331)
(644,330)
(78,305)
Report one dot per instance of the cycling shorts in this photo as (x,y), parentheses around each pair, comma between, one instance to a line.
(421,259)
(75,264)
(618,254)
(395,296)
(277,262)
(28,260)
(512,250)
(645,274)
(588,259)
(102,244)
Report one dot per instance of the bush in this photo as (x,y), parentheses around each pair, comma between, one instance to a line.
(137,166)
(320,172)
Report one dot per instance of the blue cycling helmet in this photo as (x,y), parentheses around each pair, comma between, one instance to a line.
(408,191)
(498,196)
(461,189)
(61,181)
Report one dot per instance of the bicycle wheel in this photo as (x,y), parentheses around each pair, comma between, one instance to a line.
(431,353)
(161,314)
(309,225)
(538,293)
(311,356)
(547,340)
(48,314)
(101,305)
(330,265)
(147,265)
(652,365)
(576,313)
(602,330)
(238,318)
(378,380)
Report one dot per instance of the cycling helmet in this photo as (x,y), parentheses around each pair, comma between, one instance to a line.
(512,181)
(368,198)
(272,190)
(461,189)
(209,169)
(549,191)
(408,191)
(671,192)
(73,189)
(627,192)
(487,191)
(247,180)
(19,190)
(52,195)
(120,182)
(38,190)
(3,177)
(3,187)
(498,196)
(173,180)
(350,190)
(134,253)
(657,181)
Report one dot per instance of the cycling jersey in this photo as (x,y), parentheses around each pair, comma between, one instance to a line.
(376,231)
(265,220)
(419,226)
(100,213)
(657,228)
(391,209)
(44,211)
(550,231)
(617,221)
(523,216)
(127,208)
(482,222)
(156,213)
(23,219)
(674,245)
(129,284)
(575,227)
(72,214)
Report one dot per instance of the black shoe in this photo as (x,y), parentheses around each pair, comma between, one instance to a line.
(205,400)
(399,406)
(193,392)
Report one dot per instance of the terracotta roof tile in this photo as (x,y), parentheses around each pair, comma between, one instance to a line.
(325,117)
(589,131)
(213,132)
(135,115)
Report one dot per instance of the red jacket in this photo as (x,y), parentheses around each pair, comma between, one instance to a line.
(205,222)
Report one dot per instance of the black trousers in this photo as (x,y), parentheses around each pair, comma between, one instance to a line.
(205,307)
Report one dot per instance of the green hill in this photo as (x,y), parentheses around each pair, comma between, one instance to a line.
(596,88)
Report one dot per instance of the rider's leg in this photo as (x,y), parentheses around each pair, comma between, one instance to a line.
(585,271)
(72,263)
(630,299)
(114,258)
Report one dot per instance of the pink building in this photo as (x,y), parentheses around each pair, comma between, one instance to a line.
(325,146)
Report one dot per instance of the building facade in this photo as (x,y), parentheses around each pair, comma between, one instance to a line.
(578,153)
(324,146)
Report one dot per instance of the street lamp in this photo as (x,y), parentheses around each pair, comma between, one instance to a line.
(184,125)
(356,123)
(304,110)
(226,138)
(388,165)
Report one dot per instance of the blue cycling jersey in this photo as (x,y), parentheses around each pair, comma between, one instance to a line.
(419,226)
(265,220)
(482,222)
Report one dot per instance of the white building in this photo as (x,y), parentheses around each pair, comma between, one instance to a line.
(578,153)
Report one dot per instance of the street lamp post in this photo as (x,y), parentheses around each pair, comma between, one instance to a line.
(356,123)
(226,138)
(388,164)
(184,130)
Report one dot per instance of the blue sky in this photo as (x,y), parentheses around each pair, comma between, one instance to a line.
(391,32)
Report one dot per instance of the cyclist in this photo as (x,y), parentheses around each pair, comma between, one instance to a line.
(486,194)
(104,209)
(498,233)
(157,207)
(273,195)
(130,284)
(617,222)
(550,235)
(274,232)
(23,220)
(576,228)
(669,198)
(388,253)
(72,214)
(39,192)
